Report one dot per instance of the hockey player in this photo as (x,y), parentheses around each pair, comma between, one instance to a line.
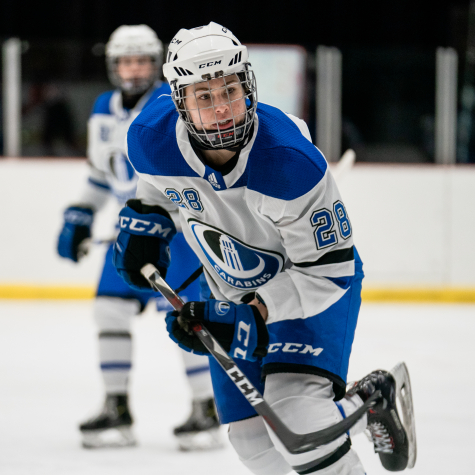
(261,210)
(134,59)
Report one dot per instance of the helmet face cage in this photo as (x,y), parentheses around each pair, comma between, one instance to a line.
(197,108)
(138,85)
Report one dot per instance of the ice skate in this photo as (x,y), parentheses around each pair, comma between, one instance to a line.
(394,438)
(201,429)
(112,427)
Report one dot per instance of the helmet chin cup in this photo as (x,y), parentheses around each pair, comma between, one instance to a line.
(136,85)
(221,139)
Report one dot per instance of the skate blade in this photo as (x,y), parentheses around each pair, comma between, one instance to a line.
(204,440)
(404,397)
(115,437)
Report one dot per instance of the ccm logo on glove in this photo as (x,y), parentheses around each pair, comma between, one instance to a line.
(246,328)
(243,330)
(240,329)
(140,226)
(145,235)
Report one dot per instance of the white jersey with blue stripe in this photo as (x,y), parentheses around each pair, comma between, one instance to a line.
(275,224)
(110,170)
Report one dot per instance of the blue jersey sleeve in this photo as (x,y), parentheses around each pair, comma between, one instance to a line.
(102,104)
(283,164)
(151,141)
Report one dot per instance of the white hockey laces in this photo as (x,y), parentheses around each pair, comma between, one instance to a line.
(379,435)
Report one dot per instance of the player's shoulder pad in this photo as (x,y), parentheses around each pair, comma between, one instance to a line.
(283,163)
(102,104)
(152,144)
(163,89)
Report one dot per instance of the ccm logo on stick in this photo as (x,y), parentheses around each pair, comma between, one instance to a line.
(294,348)
(247,389)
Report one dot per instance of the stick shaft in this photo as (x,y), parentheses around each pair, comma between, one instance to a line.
(294,443)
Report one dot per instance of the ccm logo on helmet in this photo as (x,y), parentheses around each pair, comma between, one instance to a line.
(294,348)
(207,65)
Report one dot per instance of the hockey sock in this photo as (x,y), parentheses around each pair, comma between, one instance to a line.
(255,449)
(115,354)
(113,316)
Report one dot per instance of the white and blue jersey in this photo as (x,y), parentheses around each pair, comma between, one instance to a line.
(112,175)
(107,129)
(275,225)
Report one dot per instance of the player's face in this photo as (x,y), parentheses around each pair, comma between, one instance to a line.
(214,104)
(132,68)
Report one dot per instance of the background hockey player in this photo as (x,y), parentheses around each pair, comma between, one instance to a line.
(134,60)
(261,210)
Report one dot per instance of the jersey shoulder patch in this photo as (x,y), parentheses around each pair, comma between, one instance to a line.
(102,104)
(283,163)
(152,143)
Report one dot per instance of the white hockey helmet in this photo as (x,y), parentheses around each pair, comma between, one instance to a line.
(133,40)
(201,55)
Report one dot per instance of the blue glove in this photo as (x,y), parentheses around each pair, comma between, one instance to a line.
(240,329)
(144,238)
(76,228)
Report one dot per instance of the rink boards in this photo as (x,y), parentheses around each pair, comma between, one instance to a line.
(412,226)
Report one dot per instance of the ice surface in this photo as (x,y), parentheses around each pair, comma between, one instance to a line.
(50,382)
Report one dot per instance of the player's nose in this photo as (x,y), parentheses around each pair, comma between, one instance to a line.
(221,104)
(135,66)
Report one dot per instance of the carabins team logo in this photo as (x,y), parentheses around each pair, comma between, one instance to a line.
(122,177)
(222,308)
(238,264)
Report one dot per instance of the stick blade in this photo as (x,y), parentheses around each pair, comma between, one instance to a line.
(404,397)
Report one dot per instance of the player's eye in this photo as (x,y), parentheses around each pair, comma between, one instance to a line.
(204,97)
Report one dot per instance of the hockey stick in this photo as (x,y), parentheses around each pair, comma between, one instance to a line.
(344,165)
(294,443)
(86,244)
(190,280)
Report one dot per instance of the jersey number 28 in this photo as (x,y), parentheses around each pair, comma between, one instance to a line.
(189,200)
(323,222)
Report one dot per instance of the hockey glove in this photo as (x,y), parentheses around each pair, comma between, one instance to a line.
(76,228)
(240,329)
(144,237)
